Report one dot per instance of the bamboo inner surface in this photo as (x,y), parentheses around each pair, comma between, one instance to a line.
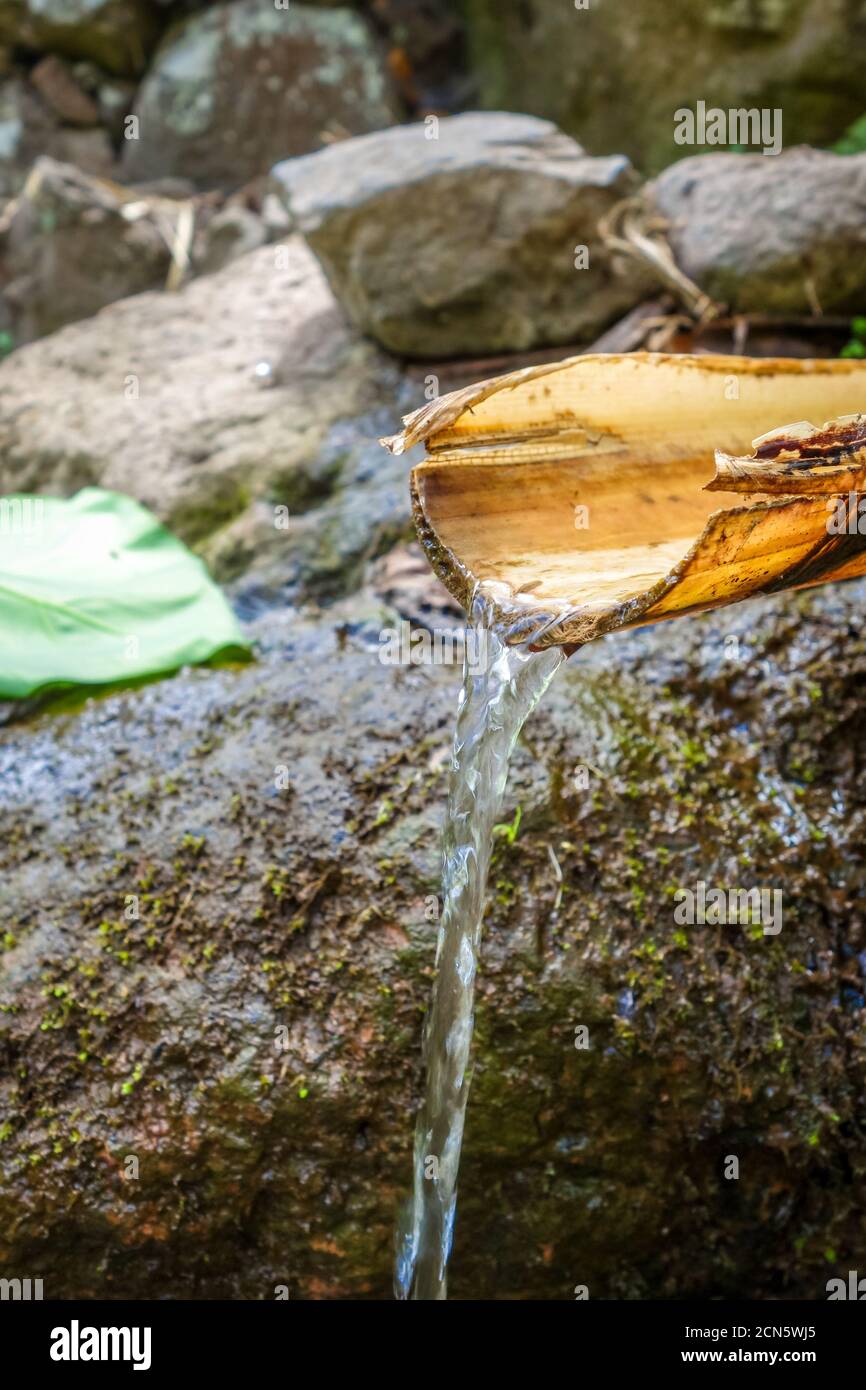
(583,488)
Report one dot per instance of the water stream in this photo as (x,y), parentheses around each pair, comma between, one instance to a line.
(501,686)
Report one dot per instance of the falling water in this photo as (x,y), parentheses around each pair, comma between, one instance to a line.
(501,686)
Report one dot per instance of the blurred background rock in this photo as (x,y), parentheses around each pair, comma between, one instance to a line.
(193,103)
(188,99)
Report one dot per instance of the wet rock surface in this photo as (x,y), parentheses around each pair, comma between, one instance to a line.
(770,235)
(462,236)
(275,827)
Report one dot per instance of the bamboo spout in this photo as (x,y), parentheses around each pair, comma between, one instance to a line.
(582,492)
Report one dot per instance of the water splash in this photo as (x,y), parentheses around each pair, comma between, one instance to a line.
(502,684)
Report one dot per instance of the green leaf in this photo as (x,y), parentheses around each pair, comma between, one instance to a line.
(854,139)
(94,590)
(509,831)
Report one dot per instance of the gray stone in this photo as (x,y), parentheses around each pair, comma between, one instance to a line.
(236,88)
(770,234)
(69,248)
(243,391)
(465,242)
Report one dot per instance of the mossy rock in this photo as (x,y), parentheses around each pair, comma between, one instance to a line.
(249,1034)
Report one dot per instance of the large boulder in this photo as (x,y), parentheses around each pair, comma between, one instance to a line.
(613,74)
(782,235)
(215,919)
(116,34)
(239,86)
(472,234)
